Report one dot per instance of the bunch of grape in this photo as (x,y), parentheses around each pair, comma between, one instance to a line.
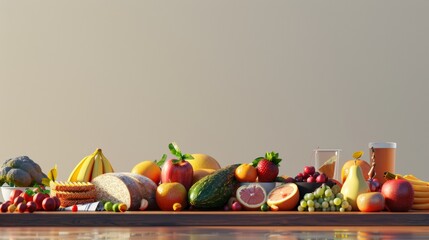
(324,199)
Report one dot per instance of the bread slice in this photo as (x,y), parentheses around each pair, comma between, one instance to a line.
(71,186)
(74,195)
(71,202)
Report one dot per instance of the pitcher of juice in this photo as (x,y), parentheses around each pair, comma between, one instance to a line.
(385,155)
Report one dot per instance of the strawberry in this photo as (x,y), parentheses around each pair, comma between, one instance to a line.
(267,167)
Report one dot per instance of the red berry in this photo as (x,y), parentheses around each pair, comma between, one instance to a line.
(267,171)
(74,208)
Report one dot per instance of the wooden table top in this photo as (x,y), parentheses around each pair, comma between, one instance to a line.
(214,218)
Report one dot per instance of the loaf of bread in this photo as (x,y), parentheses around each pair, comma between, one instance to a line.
(125,188)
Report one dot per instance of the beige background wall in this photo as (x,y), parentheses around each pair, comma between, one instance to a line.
(232,79)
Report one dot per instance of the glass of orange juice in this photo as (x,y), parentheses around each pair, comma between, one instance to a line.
(385,157)
(327,161)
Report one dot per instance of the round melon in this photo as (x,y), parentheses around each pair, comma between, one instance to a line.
(203,161)
(285,197)
(251,196)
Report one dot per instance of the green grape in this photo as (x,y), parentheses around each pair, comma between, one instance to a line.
(325,205)
(300,209)
(331,203)
(311,209)
(320,200)
(349,208)
(345,204)
(336,189)
(310,203)
(306,197)
(339,195)
(332,208)
(310,196)
(317,205)
(303,203)
(320,191)
(342,209)
(337,201)
(328,193)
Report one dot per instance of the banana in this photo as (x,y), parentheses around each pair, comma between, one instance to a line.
(98,167)
(86,170)
(107,167)
(415,181)
(421,194)
(420,188)
(421,200)
(75,172)
(422,206)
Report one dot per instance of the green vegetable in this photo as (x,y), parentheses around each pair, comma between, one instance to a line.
(21,172)
(214,190)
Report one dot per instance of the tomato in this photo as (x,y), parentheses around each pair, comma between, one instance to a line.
(74,208)
(15,193)
(370,202)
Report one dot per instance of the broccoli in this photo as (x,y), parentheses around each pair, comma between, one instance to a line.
(21,172)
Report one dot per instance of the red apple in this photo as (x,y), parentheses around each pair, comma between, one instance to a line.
(49,204)
(22,207)
(15,193)
(399,195)
(370,202)
(179,171)
(31,206)
(38,199)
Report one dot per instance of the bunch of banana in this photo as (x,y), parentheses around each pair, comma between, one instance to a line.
(421,190)
(90,167)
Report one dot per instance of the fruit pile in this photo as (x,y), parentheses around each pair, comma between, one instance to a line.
(197,182)
(324,199)
(30,201)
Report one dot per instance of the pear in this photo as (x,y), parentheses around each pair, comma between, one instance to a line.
(354,185)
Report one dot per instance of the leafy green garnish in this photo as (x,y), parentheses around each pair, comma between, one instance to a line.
(161,161)
(270,156)
(175,150)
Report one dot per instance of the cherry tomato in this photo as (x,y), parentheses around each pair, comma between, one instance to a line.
(74,208)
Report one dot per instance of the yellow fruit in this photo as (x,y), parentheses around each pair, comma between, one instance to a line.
(148,169)
(201,161)
(200,173)
(246,173)
(365,167)
(168,194)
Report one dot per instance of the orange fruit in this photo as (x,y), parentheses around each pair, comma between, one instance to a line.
(246,173)
(364,165)
(148,169)
(200,173)
(205,161)
(251,196)
(169,194)
(284,197)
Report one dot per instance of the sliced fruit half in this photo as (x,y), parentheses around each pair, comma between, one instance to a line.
(284,197)
(251,196)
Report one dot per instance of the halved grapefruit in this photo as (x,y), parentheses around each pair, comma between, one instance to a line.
(251,196)
(285,197)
